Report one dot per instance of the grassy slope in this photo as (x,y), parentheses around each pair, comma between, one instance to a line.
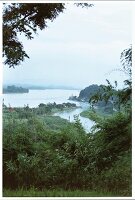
(55,193)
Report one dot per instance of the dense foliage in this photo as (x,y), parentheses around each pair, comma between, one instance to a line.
(24,18)
(42,153)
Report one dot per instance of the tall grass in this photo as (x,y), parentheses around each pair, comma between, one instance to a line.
(32,192)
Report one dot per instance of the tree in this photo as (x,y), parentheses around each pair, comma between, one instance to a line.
(126,59)
(26,18)
(121,96)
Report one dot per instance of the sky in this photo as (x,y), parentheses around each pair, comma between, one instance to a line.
(79,48)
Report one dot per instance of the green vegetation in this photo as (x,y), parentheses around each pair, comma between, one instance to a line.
(47,153)
(92,115)
(14,89)
(95,114)
(94,95)
(32,192)
(49,156)
(41,110)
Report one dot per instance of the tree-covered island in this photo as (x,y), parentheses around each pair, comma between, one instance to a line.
(14,89)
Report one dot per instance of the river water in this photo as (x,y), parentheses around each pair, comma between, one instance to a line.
(35,97)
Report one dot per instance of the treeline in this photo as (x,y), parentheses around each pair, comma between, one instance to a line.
(14,89)
(42,109)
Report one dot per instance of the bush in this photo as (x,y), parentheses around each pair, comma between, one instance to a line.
(36,155)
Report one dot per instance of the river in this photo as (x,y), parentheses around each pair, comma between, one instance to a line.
(35,97)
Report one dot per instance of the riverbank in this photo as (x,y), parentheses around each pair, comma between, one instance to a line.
(95,115)
(41,109)
(65,111)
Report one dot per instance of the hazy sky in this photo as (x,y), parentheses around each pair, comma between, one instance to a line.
(80,47)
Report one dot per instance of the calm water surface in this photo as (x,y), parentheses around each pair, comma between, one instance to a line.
(35,97)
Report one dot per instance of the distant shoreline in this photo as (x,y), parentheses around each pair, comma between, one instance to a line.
(29,89)
(38,87)
(14,89)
